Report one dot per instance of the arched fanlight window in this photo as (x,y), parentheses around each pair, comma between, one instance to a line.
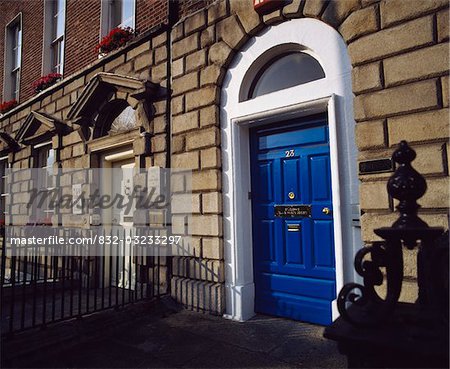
(290,67)
(113,103)
(125,121)
(117,116)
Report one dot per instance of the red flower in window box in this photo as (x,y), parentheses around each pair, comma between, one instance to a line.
(118,37)
(46,81)
(7,105)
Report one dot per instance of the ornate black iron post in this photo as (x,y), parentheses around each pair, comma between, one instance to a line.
(369,322)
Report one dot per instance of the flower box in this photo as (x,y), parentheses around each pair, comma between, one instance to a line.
(118,37)
(7,106)
(46,81)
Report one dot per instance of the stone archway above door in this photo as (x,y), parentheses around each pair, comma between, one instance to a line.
(106,97)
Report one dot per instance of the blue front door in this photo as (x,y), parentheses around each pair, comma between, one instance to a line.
(293,246)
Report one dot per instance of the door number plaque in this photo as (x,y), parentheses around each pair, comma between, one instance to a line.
(292,211)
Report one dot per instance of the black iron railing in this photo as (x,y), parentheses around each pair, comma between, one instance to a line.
(41,285)
(382,332)
(409,231)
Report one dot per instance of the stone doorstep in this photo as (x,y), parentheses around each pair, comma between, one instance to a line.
(61,336)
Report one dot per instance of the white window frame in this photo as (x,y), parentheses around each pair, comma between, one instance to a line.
(8,93)
(106,16)
(4,193)
(49,42)
(37,166)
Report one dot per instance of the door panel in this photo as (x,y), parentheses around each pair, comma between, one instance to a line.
(293,256)
(267,233)
(323,233)
(293,236)
(319,169)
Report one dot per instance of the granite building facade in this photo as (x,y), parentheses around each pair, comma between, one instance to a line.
(194,81)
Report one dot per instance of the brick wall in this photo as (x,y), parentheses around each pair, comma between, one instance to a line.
(151,13)
(32,13)
(82,34)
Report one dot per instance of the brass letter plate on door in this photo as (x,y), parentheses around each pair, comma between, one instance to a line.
(293,227)
(292,211)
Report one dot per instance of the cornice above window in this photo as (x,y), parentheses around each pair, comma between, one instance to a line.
(39,127)
(106,96)
(103,86)
(7,144)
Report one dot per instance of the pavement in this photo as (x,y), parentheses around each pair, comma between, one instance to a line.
(161,335)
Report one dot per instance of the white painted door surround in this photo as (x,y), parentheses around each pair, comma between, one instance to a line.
(332,94)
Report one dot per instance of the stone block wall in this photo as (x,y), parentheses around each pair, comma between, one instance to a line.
(72,151)
(399,53)
(142,59)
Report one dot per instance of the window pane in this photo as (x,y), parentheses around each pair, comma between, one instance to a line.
(127,13)
(61,57)
(57,55)
(115,13)
(15,84)
(15,58)
(121,13)
(17,34)
(18,58)
(16,44)
(125,121)
(50,158)
(58,7)
(3,166)
(286,71)
(46,158)
(59,26)
(58,19)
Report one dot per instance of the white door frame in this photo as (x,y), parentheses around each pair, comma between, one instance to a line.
(107,160)
(333,95)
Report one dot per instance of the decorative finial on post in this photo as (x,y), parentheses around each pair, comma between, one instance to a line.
(360,304)
(407,186)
